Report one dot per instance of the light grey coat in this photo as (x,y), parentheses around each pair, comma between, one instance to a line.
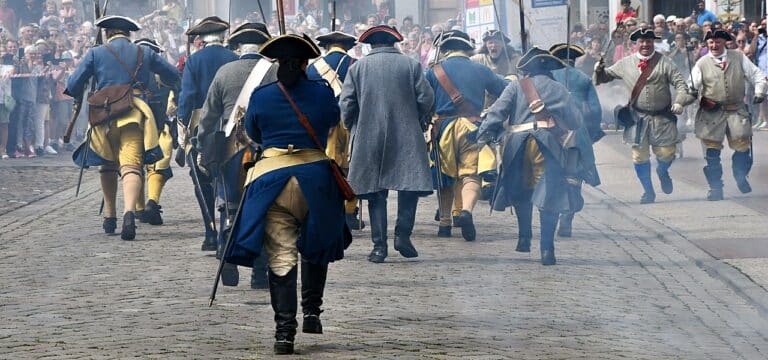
(387,103)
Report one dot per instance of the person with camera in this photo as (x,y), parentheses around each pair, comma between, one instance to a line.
(649,117)
(721,78)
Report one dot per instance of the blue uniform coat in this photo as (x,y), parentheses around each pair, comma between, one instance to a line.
(199,71)
(271,121)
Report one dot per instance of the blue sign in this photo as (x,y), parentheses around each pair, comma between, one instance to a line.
(547,3)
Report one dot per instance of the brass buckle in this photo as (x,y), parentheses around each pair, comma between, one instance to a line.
(536,106)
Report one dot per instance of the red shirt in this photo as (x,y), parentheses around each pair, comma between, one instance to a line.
(620,17)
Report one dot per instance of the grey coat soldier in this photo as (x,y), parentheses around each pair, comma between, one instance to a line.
(387,104)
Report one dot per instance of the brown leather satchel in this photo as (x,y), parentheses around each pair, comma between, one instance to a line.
(346,190)
(114,101)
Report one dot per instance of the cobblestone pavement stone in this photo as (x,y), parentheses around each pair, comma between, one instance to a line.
(625,287)
(27,180)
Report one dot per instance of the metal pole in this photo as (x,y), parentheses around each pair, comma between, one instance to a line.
(567,41)
(281,17)
(523,35)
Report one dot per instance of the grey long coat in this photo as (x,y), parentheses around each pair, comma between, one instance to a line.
(386,102)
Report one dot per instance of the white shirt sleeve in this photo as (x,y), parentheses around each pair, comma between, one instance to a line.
(696,76)
(755,76)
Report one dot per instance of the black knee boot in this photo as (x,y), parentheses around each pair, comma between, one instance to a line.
(282,292)
(312,285)
(524,213)
(548,224)
(714,174)
(406,216)
(566,224)
(377,210)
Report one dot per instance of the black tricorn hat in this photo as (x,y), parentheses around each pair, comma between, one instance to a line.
(336,37)
(718,34)
(209,25)
(118,22)
(152,44)
(455,40)
(290,46)
(381,34)
(496,34)
(539,60)
(249,33)
(561,51)
(643,33)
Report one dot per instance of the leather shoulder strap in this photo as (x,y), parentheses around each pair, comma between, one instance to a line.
(644,78)
(139,60)
(535,105)
(462,106)
(302,118)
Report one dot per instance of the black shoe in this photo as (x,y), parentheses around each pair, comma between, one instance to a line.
(444,231)
(666,182)
(468,231)
(283,346)
(140,216)
(405,247)
(129,226)
(455,220)
(744,186)
(523,245)
(109,225)
(548,257)
(229,275)
(377,255)
(437,215)
(648,198)
(715,195)
(210,243)
(40,151)
(312,324)
(152,213)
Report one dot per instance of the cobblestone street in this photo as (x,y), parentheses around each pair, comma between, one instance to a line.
(635,282)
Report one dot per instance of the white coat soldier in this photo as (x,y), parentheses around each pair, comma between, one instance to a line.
(531,118)
(221,138)
(460,86)
(126,143)
(292,204)
(721,77)
(386,103)
(649,120)
(333,68)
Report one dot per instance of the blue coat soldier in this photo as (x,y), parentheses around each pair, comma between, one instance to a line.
(125,144)
(455,127)
(532,131)
(199,70)
(292,204)
(386,104)
(221,135)
(333,68)
(580,159)
(158,173)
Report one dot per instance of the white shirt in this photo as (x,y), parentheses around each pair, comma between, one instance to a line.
(751,72)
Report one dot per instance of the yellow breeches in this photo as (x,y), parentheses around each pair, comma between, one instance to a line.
(458,155)
(338,146)
(124,140)
(741,144)
(533,163)
(283,226)
(128,142)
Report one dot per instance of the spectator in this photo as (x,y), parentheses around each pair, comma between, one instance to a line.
(660,44)
(7,103)
(671,29)
(701,14)
(67,13)
(30,13)
(626,12)
(8,18)
(25,94)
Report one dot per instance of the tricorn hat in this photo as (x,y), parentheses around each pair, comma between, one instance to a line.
(249,33)
(496,34)
(539,60)
(455,40)
(336,37)
(381,34)
(118,22)
(209,25)
(152,44)
(643,33)
(290,46)
(718,34)
(562,52)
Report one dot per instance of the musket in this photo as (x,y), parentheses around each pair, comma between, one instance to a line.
(261,10)
(207,217)
(523,34)
(567,41)
(436,141)
(281,17)
(333,16)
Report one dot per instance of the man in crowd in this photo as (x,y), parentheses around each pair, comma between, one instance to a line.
(221,137)
(460,86)
(649,120)
(125,144)
(721,78)
(386,103)
(199,70)
(702,15)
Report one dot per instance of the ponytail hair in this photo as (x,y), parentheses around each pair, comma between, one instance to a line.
(290,71)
